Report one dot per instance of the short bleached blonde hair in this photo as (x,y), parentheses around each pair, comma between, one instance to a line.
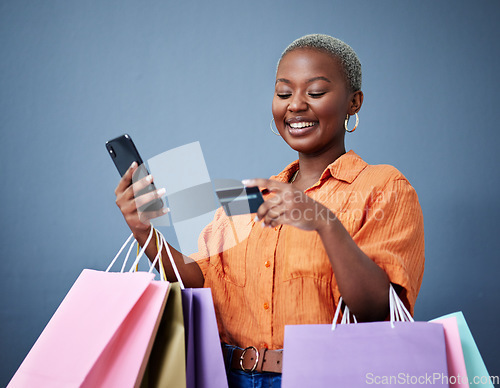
(337,49)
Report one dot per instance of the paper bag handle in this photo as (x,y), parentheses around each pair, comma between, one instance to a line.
(160,241)
(171,258)
(141,252)
(397,309)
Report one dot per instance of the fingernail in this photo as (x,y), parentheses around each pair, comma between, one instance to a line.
(161,192)
(246,182)
(165,210)
(134,164)
(149,178)
(256,218)
(263,225)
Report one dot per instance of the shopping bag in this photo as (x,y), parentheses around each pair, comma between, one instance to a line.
(204,360)
(477,373)
(99,336)
(167,362)
(205,363)
(457,373)
(399,353)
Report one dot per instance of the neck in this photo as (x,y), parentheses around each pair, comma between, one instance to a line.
(312,165)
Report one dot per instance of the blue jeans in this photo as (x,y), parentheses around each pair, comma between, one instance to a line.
(240,379)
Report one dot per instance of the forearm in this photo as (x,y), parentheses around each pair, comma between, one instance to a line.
(189,271)
(364,286)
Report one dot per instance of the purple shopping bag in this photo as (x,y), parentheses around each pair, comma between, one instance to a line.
(402,354)
(204,363)
(204,360)
(363,354)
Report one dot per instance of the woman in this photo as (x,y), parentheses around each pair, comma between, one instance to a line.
(330,225)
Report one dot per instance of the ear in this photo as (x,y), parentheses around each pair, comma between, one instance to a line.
(355,102)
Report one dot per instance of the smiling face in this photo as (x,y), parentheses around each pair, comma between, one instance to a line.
(311,101)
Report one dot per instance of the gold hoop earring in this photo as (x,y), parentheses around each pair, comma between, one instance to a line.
(347,120)
(271,126)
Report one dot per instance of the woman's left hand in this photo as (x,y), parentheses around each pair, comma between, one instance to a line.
(290,206)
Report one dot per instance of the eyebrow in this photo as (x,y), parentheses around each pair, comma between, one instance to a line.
(308,81)
(318,78)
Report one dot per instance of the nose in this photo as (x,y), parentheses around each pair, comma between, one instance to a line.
(297,103)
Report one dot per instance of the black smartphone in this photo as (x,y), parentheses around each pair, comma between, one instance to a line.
(241,200)
(124,152)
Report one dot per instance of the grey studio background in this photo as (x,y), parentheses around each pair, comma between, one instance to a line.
(74,74)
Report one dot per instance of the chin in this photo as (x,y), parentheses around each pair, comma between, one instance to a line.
(304,146)
(313,146)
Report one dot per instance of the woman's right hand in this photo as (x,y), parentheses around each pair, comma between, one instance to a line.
(126,200)
(139,223)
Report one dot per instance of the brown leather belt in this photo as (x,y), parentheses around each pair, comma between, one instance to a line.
(252,360)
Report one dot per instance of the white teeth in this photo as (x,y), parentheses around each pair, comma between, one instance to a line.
(301,125)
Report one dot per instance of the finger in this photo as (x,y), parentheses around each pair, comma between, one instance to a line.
(274,214)
(269,184)
(274,200)
(273,217)
(262,210)
(268,211)
(145,217)
(138,187)
(149,197)
(126,179)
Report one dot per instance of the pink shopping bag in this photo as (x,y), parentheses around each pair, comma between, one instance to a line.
(100,336)
(477,374)
(457,374)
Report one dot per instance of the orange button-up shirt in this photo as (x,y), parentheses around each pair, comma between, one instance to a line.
(265,278)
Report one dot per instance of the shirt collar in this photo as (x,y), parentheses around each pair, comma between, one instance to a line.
(345,168)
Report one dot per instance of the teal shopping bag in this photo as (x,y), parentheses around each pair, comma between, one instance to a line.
(477,373)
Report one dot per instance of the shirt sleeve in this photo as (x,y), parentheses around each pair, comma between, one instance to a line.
(202,257)
(213,240)
(393,237)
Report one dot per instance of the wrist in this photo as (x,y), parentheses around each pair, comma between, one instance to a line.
(141,235)
(327,223)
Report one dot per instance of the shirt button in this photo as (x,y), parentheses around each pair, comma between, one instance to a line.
(266,306)
(267,264)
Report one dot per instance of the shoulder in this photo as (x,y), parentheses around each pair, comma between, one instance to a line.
(383,178)
(380,175)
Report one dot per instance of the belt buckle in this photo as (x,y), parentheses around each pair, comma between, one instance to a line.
(256,359)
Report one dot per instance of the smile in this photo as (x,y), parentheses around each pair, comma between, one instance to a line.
(302,128)
(301,125)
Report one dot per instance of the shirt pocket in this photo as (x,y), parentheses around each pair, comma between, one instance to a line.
(304,256)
